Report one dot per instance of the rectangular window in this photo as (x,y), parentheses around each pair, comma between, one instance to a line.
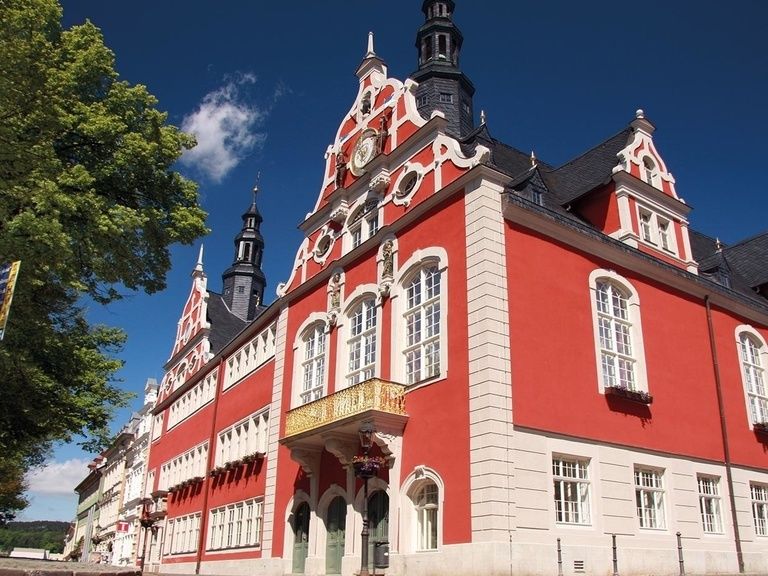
(357,236)
(759,494)
(571,482)
(182,534)
(645,226)
(422,100)
(240,522)
(446,98)
(664,238)
(709,504)
(649,497)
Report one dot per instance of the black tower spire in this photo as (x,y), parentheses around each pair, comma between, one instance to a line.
(442,86)
(244,282)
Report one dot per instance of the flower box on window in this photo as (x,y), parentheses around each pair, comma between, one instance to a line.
(760,427)
(248,458)
(632,395)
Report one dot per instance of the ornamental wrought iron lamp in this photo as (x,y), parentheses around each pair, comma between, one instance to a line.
(148,524)
(365,467)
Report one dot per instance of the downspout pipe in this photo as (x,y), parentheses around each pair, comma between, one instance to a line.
(724,434)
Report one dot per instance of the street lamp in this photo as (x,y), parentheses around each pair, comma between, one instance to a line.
(148,523)
(365,468)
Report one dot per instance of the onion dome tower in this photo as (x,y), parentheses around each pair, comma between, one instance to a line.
(442,85)
(244,281)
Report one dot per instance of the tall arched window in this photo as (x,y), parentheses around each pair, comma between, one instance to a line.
(617,361)
(313,364)
(752,351)
(422,324)
(362,342)
(618,334)
(425,503)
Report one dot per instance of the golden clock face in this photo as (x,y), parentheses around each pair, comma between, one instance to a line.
(364,151)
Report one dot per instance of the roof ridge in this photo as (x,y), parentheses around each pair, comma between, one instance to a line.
(748,239)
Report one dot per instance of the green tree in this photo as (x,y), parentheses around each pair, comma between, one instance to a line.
(90,203)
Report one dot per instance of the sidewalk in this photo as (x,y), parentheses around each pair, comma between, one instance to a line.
(24,567)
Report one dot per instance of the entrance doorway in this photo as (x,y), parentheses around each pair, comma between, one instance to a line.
(378,521)
(300,537)
(335,525)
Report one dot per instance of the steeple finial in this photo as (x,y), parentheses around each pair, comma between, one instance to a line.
(199,264)
(370,53)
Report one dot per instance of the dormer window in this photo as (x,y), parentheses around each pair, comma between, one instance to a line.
(645,226)
(650,171)
(656,230)
(664,239)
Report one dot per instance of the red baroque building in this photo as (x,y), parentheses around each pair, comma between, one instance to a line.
(548,359)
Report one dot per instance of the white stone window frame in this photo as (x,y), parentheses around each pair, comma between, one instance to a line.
(583,484)
(758,493)
(400,197)
(657,492)
(183,534)
(360,294)
(251,434)
(747,331)
(660,229)
(360,221)
(314,320)
(710,503)
(321,252)
(409,519)
(422,258)
(634,310)
(649,171)
(228,526)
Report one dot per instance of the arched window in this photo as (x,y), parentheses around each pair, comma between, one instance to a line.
(361,344)
(618,335)
(313,364)
(617,361)
(752,352)
(422,324)
(426,506)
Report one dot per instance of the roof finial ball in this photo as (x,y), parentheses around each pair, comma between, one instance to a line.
(639,113)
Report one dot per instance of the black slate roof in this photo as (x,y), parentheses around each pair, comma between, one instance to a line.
(749,259)
(742,267)
(587,171)
(224,325)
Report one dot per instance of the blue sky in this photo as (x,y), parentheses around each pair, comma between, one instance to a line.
(265,85)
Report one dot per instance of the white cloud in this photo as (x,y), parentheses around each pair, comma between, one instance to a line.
(226,128)
(58,477)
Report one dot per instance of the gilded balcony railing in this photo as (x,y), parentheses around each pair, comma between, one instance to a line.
(373,394)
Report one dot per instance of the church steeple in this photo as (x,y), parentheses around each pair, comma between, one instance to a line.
(442,85)
(244,281)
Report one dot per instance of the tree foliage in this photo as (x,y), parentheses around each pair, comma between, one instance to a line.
(42,534)
(90,203)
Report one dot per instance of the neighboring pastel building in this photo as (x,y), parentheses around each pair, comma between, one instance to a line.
(127,535)
(87,515)
(549,356)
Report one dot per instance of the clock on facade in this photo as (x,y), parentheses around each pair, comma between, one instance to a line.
(364,151)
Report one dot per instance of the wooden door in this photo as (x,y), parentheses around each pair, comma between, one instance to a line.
(335,524)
